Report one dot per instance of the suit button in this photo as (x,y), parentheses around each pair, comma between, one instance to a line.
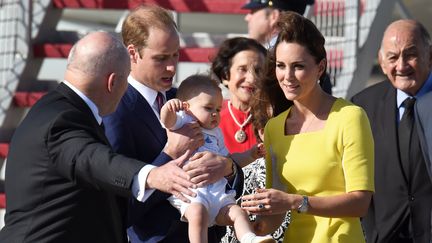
(411,198)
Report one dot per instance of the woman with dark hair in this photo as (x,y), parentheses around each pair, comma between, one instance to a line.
(236,65)
(319,149)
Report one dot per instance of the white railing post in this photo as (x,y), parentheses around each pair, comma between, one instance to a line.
(15,18)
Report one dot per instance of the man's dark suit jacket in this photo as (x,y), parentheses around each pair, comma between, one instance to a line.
(394,197)
(63,181)
(135,131)
(423,114)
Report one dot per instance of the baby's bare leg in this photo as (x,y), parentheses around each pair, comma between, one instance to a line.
(233,215)
(197,217)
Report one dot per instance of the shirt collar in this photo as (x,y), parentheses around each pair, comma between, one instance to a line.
(148,93)
(212,132)
(89,103)
(271,43)
(427,87)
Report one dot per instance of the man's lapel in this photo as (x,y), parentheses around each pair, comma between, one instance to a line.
(142,109)
(387,115)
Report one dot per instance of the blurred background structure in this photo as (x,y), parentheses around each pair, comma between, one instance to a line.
(36,36)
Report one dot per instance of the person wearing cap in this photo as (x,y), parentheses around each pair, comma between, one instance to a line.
(262,20)
(265,13)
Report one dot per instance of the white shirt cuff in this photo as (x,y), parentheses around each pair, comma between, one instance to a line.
(138,186)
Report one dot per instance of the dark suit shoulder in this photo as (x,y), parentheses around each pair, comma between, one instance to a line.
(129,99)
(171,93)
(424,101)
(374,98)
(373,91)
(131,96)
(56,106)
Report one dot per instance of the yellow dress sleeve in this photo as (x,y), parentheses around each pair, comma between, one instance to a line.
(358,151)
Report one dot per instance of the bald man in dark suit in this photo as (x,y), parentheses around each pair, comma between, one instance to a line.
(400,210)
(63,181)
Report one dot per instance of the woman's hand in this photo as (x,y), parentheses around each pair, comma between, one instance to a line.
(270,201)
(258,151)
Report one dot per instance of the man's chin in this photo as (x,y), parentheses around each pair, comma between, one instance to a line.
(404,81)
(166,85)
(407,85)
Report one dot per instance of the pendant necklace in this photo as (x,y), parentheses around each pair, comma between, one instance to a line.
(240,135)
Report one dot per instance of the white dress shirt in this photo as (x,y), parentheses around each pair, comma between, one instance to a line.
(148,94)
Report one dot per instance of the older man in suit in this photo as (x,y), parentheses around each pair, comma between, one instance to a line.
(400,210)
(63,181)
(151,37)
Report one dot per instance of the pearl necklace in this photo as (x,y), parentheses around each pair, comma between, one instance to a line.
(240,135)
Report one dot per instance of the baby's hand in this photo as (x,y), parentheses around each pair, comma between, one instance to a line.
(168,112)
(261,150)
(258,151)
(175,105)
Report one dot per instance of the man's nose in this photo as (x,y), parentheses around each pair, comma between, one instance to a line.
(401,63)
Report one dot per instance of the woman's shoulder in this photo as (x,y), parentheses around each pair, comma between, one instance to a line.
(276,122)
(346,108)
(347,113)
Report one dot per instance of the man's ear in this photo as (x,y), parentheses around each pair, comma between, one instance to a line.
(381,62)
(133,53)
(111,82)
(274,16)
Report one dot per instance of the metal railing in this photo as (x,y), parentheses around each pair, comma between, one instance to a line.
(377,14)
(15,18)
(353,30)
(338,21)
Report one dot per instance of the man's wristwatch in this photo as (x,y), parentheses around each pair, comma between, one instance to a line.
(304,206)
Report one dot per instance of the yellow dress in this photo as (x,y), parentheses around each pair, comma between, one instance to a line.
(332,161)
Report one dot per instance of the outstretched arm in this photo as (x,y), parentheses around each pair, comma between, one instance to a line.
(170,178)
(249,156)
